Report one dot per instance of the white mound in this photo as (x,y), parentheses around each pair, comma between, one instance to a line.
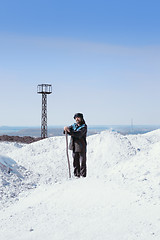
(119,199)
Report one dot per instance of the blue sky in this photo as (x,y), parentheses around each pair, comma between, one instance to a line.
(101,57)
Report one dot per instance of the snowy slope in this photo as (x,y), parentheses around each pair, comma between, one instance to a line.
(8,147)
(119,199)
(107,149)
(142,174)
(39,162)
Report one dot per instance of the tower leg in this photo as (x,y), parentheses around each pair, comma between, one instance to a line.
(44,116)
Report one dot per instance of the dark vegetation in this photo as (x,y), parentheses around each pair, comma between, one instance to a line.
(25,139)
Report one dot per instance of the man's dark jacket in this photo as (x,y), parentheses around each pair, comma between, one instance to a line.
(78,134)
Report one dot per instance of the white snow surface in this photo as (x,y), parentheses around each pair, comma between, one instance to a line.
(118,200)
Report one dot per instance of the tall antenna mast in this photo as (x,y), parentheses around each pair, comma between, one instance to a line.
(44,89)
(132,125)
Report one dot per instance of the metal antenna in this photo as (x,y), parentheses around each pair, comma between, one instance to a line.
(44,89)
(132,125)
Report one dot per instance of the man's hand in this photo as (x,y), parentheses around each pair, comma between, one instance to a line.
(66,129)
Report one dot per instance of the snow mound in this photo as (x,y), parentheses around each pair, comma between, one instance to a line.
(131,161)
(46,159)
(42,162)
(106,150)
(12,182)
(121,190)
(142,174)
(144,141)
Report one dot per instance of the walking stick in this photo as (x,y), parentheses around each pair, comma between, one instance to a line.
(69,168)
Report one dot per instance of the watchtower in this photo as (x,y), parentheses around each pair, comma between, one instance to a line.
(44,89)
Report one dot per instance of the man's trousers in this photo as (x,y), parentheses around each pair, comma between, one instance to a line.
(79,164)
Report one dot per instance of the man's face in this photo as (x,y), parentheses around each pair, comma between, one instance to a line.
(78,120)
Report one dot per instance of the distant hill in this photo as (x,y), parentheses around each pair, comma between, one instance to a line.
(58,131)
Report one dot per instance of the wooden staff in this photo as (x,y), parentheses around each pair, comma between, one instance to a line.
(69,168)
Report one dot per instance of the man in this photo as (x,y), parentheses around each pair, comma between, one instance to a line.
(78,144)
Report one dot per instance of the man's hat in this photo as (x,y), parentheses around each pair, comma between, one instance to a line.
(79,115)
